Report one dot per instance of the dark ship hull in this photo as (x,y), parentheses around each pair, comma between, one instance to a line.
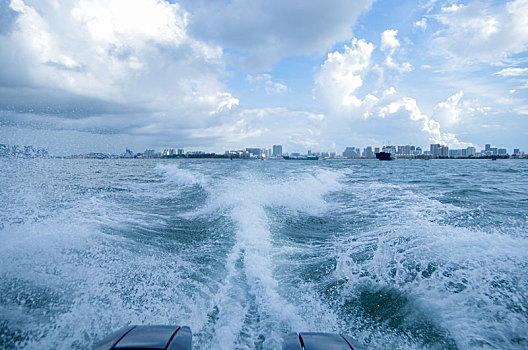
(301,158)
(384,156)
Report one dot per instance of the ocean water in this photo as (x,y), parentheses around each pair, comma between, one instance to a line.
(398,255)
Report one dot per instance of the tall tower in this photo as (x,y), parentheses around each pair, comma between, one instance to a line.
(277,150)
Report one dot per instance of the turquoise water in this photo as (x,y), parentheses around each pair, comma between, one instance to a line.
(403,254)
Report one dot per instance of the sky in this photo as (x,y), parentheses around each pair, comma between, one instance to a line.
(101,75)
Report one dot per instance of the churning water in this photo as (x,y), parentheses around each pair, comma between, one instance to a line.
(403,255)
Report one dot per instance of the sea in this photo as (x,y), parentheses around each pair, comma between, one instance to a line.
(408,254)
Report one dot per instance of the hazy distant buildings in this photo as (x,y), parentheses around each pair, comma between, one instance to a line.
(149,153)
(16,151)
(128,154)
(494,151)
(168,152)
(368,152)
(439,151)
(256,152)
(352,152)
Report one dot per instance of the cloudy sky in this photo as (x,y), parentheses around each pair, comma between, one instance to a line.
(101,75)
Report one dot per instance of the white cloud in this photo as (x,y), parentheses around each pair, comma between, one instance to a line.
(130,66)
(271,87)
(428,125)
(389,42)
(448,112)
(421,23)
(512,72)
(340,76)
(481,32)
(340,83)
(404,67)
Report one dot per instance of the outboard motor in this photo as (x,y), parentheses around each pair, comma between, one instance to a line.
(319,341)
(180,338)
(148,337)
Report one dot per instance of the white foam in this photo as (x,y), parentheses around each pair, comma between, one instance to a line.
(245,200)
(177,175)
(459,289)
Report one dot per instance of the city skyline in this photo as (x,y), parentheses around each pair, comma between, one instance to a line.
(276,151)
(105,75)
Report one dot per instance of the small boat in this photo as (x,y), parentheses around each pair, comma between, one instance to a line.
(384,156)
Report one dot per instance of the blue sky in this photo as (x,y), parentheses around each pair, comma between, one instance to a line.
(79,75)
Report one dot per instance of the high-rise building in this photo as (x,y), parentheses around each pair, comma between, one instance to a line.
(502,151)
(471,151)
(376,149)
(516,151)
(368,153)
(487,147)
(277,150)
(444,151)
(180,151)
(435,150)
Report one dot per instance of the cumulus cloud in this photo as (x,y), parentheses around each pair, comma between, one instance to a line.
(341,74)
(428,125)
(339,83)
(389,42)
(266,31)
(482,32)
(448,112)
(129,66)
